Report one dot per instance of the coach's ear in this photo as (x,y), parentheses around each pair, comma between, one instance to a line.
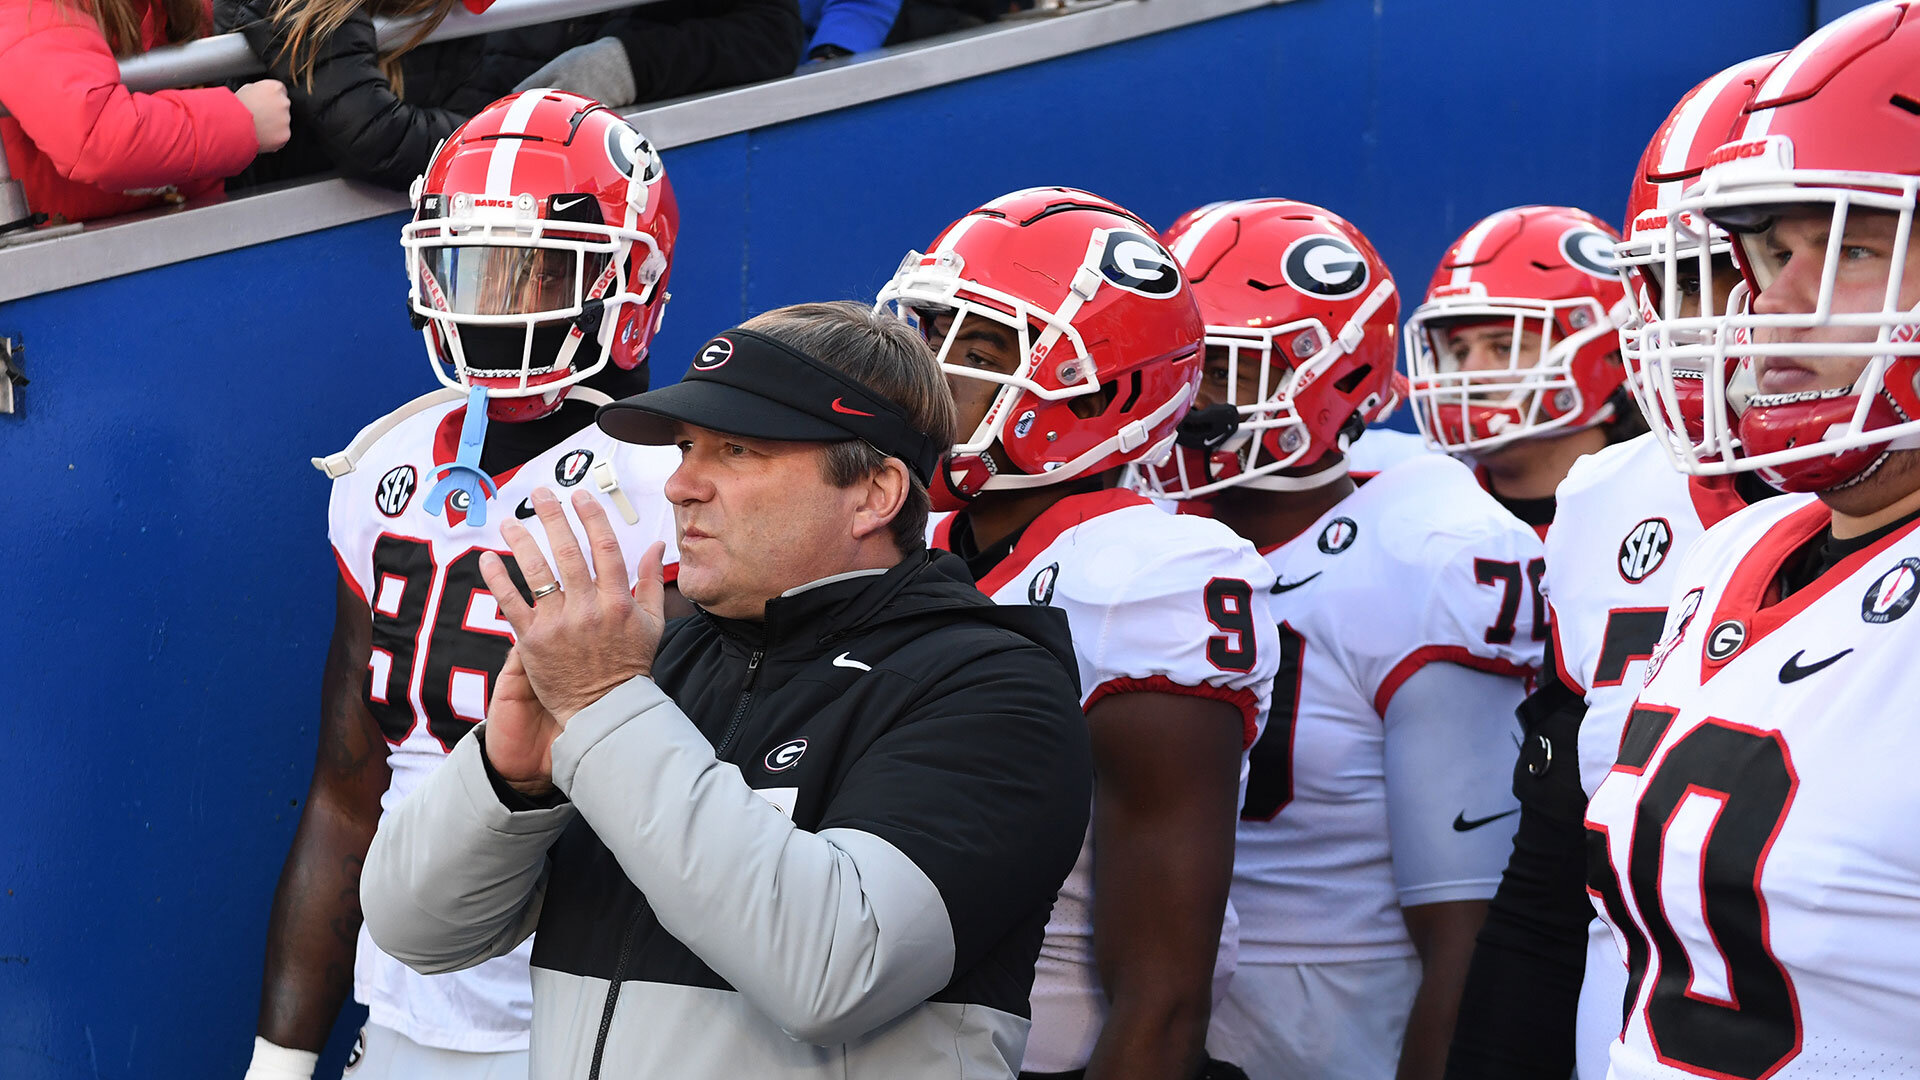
(881,496)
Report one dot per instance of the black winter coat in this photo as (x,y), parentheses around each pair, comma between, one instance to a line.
(348,117)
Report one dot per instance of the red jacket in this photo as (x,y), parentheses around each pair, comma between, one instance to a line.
(82,144)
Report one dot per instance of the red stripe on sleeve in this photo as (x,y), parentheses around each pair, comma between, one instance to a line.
(1247,701)
(347,576)
(1440,654)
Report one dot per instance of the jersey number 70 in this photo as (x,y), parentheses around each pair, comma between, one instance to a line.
(1721,1004)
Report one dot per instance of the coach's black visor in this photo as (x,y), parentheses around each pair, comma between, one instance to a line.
(745,383)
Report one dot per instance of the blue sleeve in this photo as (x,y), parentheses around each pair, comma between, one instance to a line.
(854,25)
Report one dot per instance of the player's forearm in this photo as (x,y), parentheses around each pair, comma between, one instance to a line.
(1152,1036)
(313,928)
(1444,935)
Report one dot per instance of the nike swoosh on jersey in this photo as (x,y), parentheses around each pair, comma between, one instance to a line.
(524,510)
(1791,671)
(843,661)
(1288,586)
(1461,824)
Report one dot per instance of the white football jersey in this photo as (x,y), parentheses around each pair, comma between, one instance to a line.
(1761,871)
(1156,603)
(1418,566)
(438,643)
(1381,448)
(1624,520)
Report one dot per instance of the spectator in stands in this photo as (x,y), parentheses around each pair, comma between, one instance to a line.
(83,146)
(837,28)
(348,108)
(655,51)
(377,115)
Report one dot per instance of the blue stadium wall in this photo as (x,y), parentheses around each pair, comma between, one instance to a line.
(167,584)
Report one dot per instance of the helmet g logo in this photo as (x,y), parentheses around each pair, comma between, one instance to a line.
(1325,266)
(1138,264)
(717,352)
(1588,251)
(632,154)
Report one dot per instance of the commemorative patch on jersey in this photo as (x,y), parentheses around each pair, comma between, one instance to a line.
(1893,593)
(1338,536)
(1040,589)
(1645,549)
(395,490)
(572,467)
(1689,607)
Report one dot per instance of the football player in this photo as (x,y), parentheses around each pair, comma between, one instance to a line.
(1377,816)
(1072,346)
(539,248)
(1513,356)
(1753,842)
(1624,519)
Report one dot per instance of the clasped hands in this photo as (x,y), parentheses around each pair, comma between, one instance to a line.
(572,646)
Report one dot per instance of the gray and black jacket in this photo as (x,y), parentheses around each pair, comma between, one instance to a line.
(825,845)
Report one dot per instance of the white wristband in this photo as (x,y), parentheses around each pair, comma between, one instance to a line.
(272,1062)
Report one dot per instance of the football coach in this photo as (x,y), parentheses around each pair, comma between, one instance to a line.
(814,830)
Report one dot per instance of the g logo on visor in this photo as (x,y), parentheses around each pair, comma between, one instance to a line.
(1589,251)
(717,352)
(1325,266)
(1137,263)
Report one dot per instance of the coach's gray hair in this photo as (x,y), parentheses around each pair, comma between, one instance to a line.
(888,357)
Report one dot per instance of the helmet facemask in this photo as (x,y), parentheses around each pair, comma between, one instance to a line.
(1534,393)
(520,304)
(1808,440)
(1268,434)
(1054,364)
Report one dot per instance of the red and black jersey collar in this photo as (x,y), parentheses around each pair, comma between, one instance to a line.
(1751,594)
(1042,531)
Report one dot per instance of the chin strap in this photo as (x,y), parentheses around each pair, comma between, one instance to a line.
(1340,467)
(463,473)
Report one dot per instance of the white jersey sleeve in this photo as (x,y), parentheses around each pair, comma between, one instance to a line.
(1464,582)
(1193,619)
(1451,813)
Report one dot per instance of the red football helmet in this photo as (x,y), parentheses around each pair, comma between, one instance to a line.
(1544,269)
(1095,301)
(1835,128)
(1297,290)
(539,249)
(1661,245)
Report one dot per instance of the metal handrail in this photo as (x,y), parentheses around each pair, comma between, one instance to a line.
(226,56)
(42,264)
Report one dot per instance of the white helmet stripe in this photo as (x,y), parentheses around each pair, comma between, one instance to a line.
(1184,247)
(1777,82)
(505,151)
(1686,126)
(954,234)
(1470,248)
